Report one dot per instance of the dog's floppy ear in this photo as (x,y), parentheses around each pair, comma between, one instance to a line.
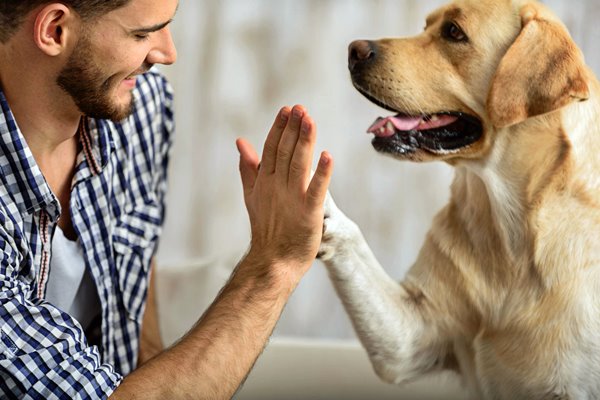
(542,71)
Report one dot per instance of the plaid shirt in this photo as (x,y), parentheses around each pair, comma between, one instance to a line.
(117,211)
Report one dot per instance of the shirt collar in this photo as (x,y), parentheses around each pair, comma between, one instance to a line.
(97,145)
(20,173)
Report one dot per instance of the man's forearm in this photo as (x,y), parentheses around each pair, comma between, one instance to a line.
(212,360)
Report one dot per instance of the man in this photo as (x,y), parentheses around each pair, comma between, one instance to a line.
(85,136)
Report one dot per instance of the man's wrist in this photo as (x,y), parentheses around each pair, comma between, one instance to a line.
(282,274)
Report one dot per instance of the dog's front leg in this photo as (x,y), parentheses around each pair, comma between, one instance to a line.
(388,319)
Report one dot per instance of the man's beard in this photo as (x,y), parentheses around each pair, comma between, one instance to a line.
(87,86)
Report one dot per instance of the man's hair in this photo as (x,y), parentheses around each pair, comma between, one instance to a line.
(13,12)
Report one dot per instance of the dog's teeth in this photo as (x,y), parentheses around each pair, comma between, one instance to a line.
(382,130)
(389,126)
(434,118)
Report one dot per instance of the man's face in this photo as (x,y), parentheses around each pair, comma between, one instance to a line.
(100,72)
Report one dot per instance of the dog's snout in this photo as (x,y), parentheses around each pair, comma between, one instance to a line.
(360,52)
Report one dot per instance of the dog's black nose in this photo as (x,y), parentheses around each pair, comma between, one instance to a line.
(359,53)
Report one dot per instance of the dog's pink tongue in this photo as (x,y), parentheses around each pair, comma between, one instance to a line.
(384,127)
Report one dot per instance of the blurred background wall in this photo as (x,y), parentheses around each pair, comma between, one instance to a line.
(239,62)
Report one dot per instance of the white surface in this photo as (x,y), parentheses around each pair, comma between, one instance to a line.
(321,370)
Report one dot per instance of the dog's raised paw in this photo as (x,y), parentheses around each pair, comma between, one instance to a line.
(339,232)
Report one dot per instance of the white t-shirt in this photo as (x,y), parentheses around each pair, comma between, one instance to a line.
(71,287)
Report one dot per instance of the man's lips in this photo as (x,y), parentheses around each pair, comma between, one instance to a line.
(140,71)
(129,81)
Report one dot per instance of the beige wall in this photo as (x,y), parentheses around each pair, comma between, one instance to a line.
(239,61)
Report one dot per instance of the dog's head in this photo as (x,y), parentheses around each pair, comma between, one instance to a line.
(478,67)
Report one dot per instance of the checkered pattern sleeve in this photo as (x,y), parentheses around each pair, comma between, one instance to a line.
(43,351)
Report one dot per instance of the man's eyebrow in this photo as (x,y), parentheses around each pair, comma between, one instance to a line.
(153,28)
(157,27)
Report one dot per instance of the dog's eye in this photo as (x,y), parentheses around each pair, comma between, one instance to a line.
(452,32)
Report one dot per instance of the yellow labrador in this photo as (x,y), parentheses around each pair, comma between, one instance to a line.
(506,289)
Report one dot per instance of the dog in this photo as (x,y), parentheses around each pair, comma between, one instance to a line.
(506,288)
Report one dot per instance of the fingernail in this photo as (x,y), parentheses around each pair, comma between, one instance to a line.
(305,126)
(297,112)
(325,159)
(285,114)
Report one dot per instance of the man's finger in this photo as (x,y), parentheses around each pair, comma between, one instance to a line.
(272,141)
(317,189)
(287,144)
(248,165)
(300,165)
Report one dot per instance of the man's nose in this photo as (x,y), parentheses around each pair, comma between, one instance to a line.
(164,52)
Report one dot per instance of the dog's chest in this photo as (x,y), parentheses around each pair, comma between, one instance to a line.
(547,348)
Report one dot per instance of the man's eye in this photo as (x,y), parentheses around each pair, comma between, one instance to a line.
(452,32)
(141,37)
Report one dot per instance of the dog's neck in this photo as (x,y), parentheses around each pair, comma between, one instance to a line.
(582,123)
(546,160)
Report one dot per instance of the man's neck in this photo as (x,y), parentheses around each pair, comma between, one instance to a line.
(44,126)
(47,117)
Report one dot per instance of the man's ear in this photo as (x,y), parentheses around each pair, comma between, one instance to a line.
(541,72)
(52,28)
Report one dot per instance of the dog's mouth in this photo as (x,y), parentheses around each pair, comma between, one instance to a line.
(440,133)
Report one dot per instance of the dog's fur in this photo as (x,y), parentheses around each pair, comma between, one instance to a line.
(506,289)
